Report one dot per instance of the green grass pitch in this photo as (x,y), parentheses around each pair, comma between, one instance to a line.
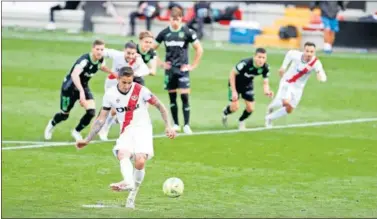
(320,171)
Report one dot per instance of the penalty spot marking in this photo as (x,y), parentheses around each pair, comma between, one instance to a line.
(213,132)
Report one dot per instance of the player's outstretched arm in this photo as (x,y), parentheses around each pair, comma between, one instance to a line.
(164,114)
(287,60)
(141,68)
(266,88)
(266,82)
(232,82)
(153,66)
(106,69)
(96,127)
(198,54)
(321,75)
(76,80)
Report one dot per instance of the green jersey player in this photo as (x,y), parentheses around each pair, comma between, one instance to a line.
(177,38)
(76,87)
(241,83)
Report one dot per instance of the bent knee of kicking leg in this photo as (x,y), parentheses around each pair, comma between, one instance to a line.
(140,160)
(289,108)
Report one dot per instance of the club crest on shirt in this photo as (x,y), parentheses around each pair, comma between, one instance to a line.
(117,100)
(134,97)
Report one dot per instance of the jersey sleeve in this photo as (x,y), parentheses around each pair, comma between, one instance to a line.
(82,63)
(110,53)
(192,36)
(241,67)
(320,71)
(266,71)
(106,101)
(160,37)
(288,58)
(147,95)
(141,69)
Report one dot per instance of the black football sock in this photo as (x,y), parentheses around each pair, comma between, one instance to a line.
(227,110)
(186,108)
(174,107)
(244,115)
(58,118)
(85,120)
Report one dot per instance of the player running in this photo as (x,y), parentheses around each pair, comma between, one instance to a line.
(293,80)
(177,38)
(76,87)
(241,82)
(128,57)
(149,55)
(136,140)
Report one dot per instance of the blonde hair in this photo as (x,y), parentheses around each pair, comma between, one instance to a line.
(145,34)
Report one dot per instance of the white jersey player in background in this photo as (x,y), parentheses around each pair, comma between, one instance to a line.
(136,139)
(293,80)
(130,58)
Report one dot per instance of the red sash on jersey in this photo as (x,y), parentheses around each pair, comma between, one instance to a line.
(131,106)
(111,76)
(295,77)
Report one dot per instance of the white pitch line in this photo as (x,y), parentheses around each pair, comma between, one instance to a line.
(24,142)
(213,132)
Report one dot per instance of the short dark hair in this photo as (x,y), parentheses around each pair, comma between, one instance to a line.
(126,71)
(260,50)
(176,12)
(130,45)
(309,44)
(98,42)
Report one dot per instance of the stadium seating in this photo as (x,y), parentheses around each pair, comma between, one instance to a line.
(270,17)
(292,16)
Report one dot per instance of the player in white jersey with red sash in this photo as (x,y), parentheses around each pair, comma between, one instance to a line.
(128,57)
(136,140)
(293,81)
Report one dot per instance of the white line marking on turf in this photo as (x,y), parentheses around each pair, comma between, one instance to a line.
(213,132)
(101,206)
(24,142)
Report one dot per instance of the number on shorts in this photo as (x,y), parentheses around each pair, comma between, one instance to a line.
(65,103)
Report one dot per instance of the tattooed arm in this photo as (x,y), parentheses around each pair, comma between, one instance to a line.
(164,114)
(96,127)
(160,106)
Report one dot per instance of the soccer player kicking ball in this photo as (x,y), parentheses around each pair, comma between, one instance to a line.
(136,140)
(76,87)
(241,82)
(177,38)
(128,57)
(293,81)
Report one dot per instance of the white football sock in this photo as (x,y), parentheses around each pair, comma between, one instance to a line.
(277,114)
(275,103)
(110,120)
(139,176)
(126,169)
